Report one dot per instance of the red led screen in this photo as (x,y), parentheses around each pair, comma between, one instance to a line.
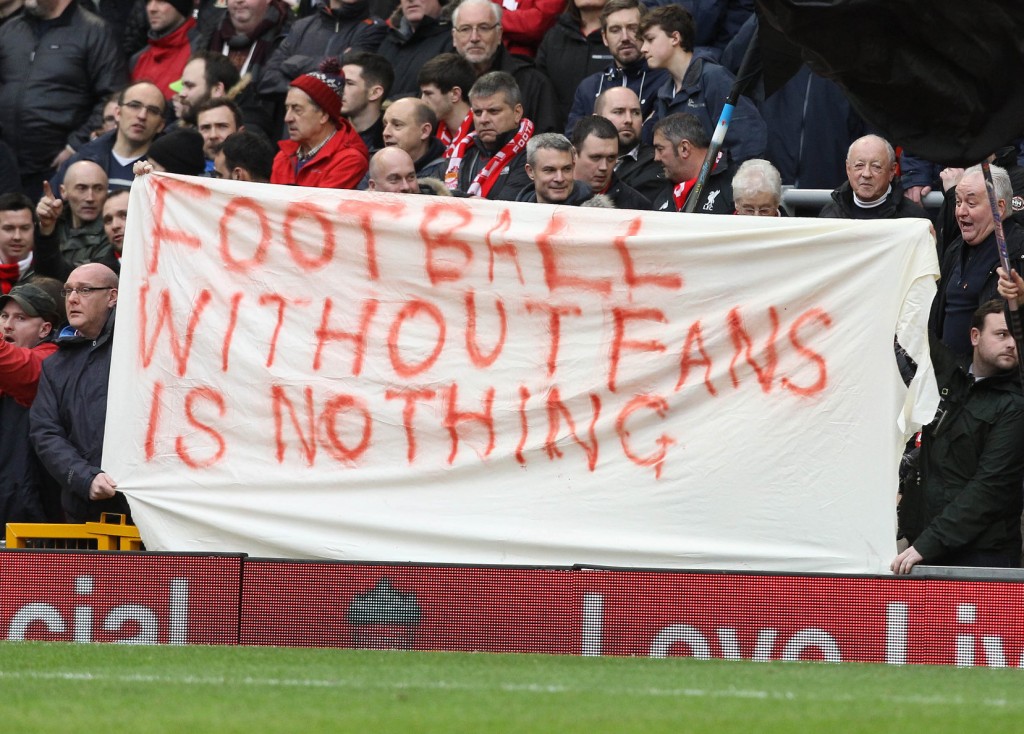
(188,599)
(118,597)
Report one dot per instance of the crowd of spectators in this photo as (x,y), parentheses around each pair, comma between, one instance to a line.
(607,103)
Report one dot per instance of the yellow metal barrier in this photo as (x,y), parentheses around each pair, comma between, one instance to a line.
(112,532)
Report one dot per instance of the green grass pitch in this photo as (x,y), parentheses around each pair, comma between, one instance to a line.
(60,687)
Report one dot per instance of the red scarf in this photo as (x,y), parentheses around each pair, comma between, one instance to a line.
(9,275)
(682,189)
(488,176)
(452,141)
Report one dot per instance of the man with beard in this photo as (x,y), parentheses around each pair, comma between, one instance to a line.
(964,509)
(206,76)
(620,25)
(680,146)
(636,165)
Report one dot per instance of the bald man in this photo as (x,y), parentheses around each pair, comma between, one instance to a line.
(392,170)
(75,217)
(70,410)
(872,190)
(409,124)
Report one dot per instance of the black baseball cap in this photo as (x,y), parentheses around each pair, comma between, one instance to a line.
(34,301)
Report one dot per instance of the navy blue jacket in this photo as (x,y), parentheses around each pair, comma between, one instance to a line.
(706,85)
(68,418)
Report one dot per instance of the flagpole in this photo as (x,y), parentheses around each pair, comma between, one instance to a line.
(750,69)
(1004,259)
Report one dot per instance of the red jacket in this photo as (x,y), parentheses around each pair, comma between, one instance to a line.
(341,164)
(163,60)
(20,369)
(523,27)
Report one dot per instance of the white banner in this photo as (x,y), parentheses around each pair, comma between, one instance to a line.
(311,373)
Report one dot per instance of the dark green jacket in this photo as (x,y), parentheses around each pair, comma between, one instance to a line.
(969,495)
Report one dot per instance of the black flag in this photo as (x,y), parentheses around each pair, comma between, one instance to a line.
(944,79)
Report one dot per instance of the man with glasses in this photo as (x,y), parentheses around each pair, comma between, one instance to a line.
(69,412)
(476,33)
(620,24)
(140,118)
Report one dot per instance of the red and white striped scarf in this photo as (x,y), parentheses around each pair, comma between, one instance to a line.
(452,140)
(488,176)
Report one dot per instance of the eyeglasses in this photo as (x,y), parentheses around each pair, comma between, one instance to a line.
(758,211)
(137,107)
(481,30)
(84,290)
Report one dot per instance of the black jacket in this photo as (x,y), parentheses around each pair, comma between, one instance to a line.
(968,498)
(54,81)
(408,50)
(715,197)
(49,260)
(579,194)
(513,177)
(567,57)
(311,39)
(639,170)
(1014,234)
(626,197)
(432,164)
(68,417)
(896,205)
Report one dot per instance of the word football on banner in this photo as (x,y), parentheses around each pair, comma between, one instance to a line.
(311,373)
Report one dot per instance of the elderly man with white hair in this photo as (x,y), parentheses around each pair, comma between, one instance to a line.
(477,34)
(968,269)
